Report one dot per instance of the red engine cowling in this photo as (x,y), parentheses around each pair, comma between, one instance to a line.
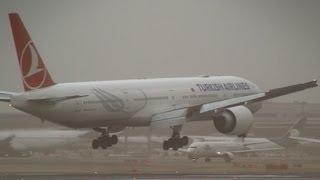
(234,121)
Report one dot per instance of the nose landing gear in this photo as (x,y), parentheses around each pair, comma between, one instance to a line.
(105,140)
(175,142)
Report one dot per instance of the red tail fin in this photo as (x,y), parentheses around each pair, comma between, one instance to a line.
(33,70)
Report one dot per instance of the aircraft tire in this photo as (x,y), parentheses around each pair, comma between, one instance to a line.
(176,143)
(227,159)
(95,144)
(103,146)
(185,140)
(175,148)
(165,145)
(114,139)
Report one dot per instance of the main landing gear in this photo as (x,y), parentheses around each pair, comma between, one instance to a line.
(105,140)
(175,142)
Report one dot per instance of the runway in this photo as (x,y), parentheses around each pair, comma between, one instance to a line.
(161,176)
(68,166)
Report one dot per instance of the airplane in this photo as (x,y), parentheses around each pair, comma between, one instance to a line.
(111,106)
(294,140)
(226,147)
(288,140)
(23,141)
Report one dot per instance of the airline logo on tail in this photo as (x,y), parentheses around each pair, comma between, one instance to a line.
(33,70)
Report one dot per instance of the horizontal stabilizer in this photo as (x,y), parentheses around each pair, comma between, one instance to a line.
(6,96)
(258,150)
(54,99)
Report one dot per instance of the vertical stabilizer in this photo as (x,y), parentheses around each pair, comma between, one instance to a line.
(33,71)
(293,131)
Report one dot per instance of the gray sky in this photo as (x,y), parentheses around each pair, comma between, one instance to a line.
(272,43)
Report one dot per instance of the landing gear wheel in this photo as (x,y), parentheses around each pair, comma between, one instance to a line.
(175,147)
(165,145)
(242,135)
(185,140)
(104,141)
(227,159)
(175,142)
(114,139)
(95,144)
(103,146)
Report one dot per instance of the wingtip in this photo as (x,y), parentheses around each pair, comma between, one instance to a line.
(313,83)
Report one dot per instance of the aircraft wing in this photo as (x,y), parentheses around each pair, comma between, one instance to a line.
(257,97)
(305,140)
(257,150)
(180,115)
(287,90)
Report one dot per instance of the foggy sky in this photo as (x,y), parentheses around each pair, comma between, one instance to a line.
(272,43)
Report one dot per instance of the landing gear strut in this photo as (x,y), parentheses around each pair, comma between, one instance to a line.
(242,136)
(175,142)
(105,140)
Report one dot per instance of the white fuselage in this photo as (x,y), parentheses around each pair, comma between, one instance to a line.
(221,145)
(128,102)
(27,140)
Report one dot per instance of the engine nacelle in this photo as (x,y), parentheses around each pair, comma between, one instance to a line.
(228,157)
(234,121)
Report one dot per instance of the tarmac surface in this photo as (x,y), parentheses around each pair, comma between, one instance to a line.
(161,176)
(170,166)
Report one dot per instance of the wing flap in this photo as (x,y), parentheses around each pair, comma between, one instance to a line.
(229,102)
(168,119)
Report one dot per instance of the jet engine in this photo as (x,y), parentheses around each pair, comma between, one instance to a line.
(234,121)
(228,156)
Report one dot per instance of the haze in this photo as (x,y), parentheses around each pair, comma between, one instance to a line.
(272,43)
